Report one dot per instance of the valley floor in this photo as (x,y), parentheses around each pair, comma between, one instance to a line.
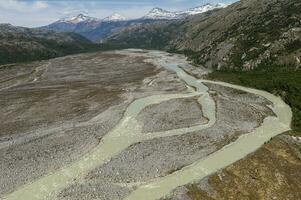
(109,125)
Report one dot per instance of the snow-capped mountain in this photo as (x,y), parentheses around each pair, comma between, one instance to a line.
(114,18)
(82,23)
(78,23)
(77,19)
(96,29)
(158,13)
(202,9)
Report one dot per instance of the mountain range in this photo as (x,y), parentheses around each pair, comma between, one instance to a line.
(97,29)
(245,35)
(159,13)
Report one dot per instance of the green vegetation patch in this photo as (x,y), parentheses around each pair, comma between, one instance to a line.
(281,81)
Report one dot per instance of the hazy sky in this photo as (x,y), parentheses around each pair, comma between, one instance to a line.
(33,13)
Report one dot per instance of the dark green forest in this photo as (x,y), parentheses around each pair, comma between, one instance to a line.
(284,81)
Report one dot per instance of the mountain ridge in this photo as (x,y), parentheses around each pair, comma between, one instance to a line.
(159,13)
(115,17)
(77,19)
(96,29)
(245,35)
(19,44)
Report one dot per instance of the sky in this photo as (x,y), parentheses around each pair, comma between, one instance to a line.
(35,13)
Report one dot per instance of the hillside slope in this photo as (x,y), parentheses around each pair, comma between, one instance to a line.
(272,172)
(244,35)
(18,44)
(107,28)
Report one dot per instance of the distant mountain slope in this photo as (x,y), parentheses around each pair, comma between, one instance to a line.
(114,18)
(246,34)
(107,28)
(78,23)
(156,35)
(97,29)
(18,44)
(92,28)
(158,13)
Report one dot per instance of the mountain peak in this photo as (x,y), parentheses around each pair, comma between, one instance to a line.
(202,9)
(159,13)
(158,9)
(77,19)
(115,17)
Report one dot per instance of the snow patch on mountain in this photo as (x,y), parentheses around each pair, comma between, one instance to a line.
(114,18)
(159,13)
(155,13)
(202,9)
(77,19)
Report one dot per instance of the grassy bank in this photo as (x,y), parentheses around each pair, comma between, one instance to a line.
(284,82)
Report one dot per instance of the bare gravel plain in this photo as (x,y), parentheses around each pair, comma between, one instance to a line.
(237,113)
(54,112)
(53,118)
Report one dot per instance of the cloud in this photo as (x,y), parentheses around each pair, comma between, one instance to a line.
(22,6)
(40,5)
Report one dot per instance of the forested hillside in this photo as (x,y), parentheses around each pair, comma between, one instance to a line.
(18,44)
